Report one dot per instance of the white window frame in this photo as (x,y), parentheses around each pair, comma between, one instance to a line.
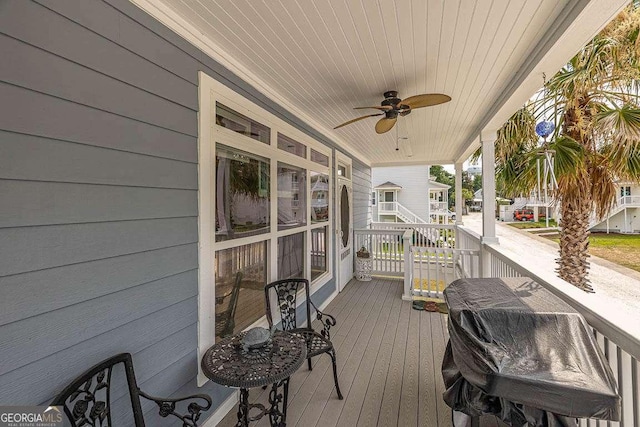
(210,134)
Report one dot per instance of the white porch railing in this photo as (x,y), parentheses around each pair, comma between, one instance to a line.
(424,254)
(629,201)
(424,235)
(386,250)
(438,206)
(618,338)
(434,268)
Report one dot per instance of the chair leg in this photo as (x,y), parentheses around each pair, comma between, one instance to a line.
(309,362)
(332,353)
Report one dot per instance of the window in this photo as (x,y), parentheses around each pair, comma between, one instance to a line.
(373,198)
(319,197)
(291,256)
(232,120)
(318,252)
(388,196)
(292,196)
(240,276)
(342,171)
(242,189)
(319,158)
(291,146)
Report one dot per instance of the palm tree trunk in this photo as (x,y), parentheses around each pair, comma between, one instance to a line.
(574,243)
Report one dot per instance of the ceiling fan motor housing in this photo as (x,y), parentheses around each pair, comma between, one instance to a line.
(391,98)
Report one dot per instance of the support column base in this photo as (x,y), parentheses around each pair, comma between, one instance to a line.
(489,240)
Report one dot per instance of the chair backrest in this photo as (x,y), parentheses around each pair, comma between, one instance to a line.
(87,400)
(225,320)
(287,293)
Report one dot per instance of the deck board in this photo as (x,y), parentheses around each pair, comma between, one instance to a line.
(389,359)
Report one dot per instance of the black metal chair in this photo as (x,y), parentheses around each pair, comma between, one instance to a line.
(225,319)
(317,343)
(87,400)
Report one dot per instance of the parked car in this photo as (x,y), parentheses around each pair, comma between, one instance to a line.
(523,215)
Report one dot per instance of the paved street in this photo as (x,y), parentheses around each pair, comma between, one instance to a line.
(617,286)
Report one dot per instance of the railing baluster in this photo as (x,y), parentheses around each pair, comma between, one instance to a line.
(635,392)
(625,386)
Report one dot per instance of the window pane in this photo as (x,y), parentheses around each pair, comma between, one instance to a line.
(342,171)
(292,196)
(318,252)
(230,119)
(319,197)
(242,194)
(291,146)
(319,158)
(240,274)
(291,256)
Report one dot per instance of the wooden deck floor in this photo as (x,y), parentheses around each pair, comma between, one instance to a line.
(389,359)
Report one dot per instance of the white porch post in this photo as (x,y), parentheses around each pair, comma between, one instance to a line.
(458,191)
(428,218)
(488,139)
(407,295)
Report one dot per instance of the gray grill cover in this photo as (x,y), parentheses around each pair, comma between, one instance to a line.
(518,351)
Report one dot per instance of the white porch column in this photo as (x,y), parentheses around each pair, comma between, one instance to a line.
(428,218)
(488,139)
(458,191)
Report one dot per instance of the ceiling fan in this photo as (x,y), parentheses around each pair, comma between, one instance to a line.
(392,107)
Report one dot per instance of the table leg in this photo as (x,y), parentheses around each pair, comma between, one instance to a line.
(243,408)
(277,416)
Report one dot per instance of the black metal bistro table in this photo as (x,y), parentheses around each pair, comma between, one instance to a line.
(519,352)
(228,364)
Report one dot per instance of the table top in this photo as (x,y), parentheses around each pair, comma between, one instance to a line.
(228,364)
(513,338)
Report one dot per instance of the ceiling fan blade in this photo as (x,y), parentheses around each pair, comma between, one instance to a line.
(359,118)
(377,107)
(385,125)
(425,100)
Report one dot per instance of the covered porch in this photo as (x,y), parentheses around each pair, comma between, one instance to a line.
(152,150)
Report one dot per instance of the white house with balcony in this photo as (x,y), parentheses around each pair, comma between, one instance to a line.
(625,214)
(408,194)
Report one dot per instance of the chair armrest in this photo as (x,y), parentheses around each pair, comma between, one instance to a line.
(327,321)
(168,407)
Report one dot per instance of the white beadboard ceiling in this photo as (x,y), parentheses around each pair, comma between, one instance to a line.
(322,58)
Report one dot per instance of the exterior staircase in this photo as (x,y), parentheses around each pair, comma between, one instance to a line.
(407,216)
(622,203)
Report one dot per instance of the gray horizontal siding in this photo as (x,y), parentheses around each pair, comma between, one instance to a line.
(28,157)
(98,197)
(35,248)
(34,113)
(59,77)
(361,181)
(21,342)
(58,287)
(93,43)
(65,365)
(47,203)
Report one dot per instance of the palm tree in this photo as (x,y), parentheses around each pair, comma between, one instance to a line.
(597,140)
